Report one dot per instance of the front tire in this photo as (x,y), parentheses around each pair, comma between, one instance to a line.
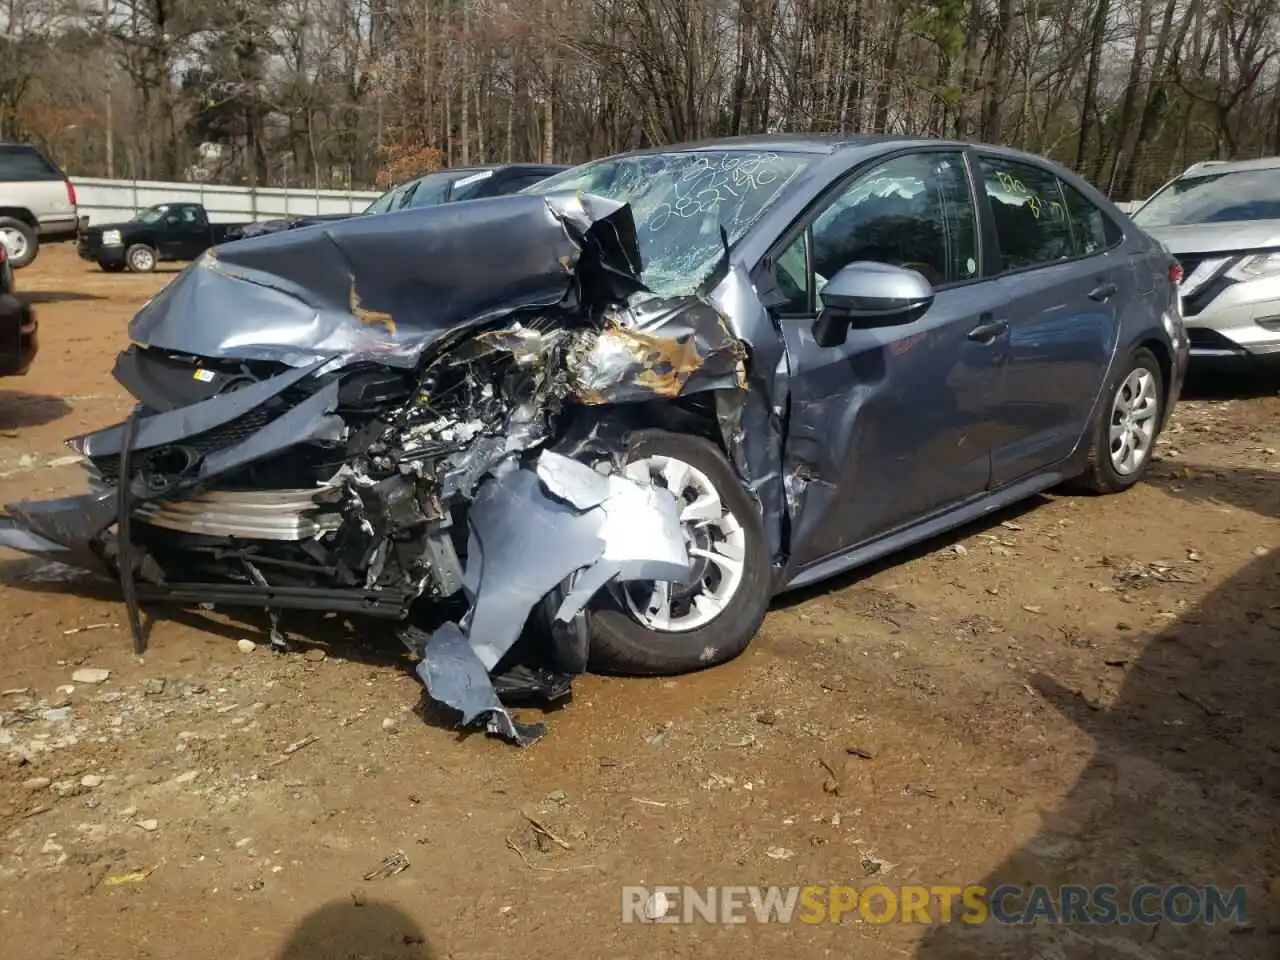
(662,629)
(140,258)
(21,241)
(1123,437)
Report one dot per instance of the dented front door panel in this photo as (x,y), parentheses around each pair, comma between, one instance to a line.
(890,427)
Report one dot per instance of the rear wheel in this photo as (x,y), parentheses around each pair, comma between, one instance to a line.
(655,628)
(21,241)
(1123,437)
(140,258)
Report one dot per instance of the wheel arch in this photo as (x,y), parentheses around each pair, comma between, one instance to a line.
(21,213)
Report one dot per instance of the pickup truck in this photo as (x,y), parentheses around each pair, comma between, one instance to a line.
(167,231)
(17,325)
(37,203)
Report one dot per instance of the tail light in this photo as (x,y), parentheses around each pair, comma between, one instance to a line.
(4,253)
(71,193)
(1175,273)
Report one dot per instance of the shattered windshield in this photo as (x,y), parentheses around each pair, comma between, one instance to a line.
(1215,198)
(681,200)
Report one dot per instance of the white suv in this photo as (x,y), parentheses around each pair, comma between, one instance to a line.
(37,203)
(1222,222)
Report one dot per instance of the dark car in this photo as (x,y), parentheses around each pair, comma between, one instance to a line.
(18,342)
(444,186)
(628,406)
(166,231)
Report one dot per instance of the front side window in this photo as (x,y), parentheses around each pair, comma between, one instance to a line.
(1214,198)
(152,214)
(913,211)
(1030,214)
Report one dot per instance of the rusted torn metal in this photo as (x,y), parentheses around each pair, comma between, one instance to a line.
(370,317)
(684,348)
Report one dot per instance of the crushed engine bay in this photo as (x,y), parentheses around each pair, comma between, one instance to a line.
(325,423)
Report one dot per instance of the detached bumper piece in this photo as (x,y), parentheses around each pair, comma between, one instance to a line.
(590,530)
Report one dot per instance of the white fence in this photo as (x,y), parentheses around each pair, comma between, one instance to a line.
(107,201)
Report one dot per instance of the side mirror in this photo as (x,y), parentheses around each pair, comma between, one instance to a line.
(866,295)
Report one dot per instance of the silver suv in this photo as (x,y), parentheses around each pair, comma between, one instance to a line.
(37,203)
(1222,222)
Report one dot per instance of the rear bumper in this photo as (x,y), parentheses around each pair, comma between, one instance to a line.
(60,230)
(19,342)
(1178,374)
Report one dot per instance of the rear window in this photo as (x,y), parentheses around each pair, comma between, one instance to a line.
(21,162)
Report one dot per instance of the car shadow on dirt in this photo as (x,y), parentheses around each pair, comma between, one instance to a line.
(19,409)
(35,297)
(354,927)
(1183,788)
(1235,380)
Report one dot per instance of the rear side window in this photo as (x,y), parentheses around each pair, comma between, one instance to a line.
(21,162)
(1091,229)
(1030,214)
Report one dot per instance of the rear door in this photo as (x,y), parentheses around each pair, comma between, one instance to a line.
(1064,281)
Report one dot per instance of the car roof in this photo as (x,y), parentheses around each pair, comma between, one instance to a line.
(1213,167)
(819,144)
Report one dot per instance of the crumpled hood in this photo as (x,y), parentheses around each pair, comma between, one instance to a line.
(387,287)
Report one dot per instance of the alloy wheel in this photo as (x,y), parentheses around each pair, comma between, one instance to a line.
(716,542)
(1133,421)
(15,243)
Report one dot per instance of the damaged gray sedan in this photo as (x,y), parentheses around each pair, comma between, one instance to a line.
(602,424)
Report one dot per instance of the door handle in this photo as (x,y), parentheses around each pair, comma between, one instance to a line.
(1103,291)
(989,330)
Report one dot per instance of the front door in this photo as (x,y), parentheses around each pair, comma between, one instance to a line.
(894,424)
(1064,280)
(184,233)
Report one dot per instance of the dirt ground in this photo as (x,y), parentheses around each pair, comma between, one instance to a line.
(1078,691)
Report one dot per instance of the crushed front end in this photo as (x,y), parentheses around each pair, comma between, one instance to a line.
(359,446)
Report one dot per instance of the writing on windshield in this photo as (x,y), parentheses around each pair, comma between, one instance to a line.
(682,200)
